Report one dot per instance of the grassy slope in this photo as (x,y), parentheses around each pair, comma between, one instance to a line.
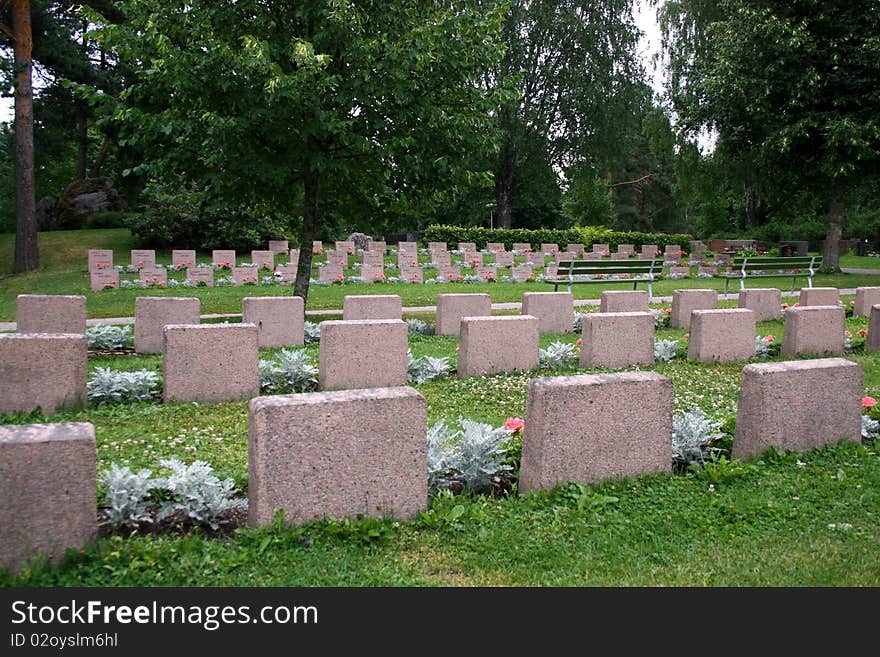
(64,271)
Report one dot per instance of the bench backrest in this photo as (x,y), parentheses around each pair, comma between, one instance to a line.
(758,263)
(571,268)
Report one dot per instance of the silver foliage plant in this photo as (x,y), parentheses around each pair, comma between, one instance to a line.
(556,355)
(426,368)
(109,337)
(198,493)
(578,323)
(312,332)
(116,386)
(127,495)
(472,454)
(661,318)
(291,371)
(418,327)
(692,435)
(870,429)
(665,350)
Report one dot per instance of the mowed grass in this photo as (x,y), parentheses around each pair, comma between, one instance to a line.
(64,270)
(780,520)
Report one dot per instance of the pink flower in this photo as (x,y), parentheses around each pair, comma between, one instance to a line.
(847,333)
(579,342)
(686,336)
(868,402)
(785,306)
(514,424)
(863,332)
(769,338)
(796,305)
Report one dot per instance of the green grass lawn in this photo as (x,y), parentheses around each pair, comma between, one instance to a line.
(782,520)
(64,271)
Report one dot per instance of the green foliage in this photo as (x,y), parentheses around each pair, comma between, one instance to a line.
(184,219)
(587,236)
(718,469)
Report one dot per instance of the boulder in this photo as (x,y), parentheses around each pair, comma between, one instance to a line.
(360,241)
(85,197)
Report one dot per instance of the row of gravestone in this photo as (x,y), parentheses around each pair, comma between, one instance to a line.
(364,452)
(220,362)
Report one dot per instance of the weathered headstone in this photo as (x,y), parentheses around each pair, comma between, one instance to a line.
(685,301)
(866,298)
(278,246)
(302,446)
(798,405)
(50,313)
(362,354)
(223,258)
(372,306)
(183,258)
(152,314)
(100,259)
(42,370)
(373,273)
(143,258)
(410,274)
(48,487)
(486,273)
(575,248)
(211,362)
(766,303)
(522,247)
(624,301)
(441,258)
(245,276)
(279,320)
(504,259)
(588,428)
(490,345)
(617,340)
(522,274)
(103,279)
(814,330)
(549,248)
(872,340)
(722,336)
(154,276)
(495,247)
(263,259)
(452,307)
(554,310)
(819,296)
(199,275)
(331,274)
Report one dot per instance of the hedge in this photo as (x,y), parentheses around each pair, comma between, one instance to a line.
(587,236)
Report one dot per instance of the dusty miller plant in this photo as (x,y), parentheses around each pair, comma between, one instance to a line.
(471,455)
(312,332)
(198,493)
(291,371)
(665,350)
(127,495)
(109,337)
(418,327)
(112,386)
(870,430)
(426,368)
(556,355)
(578,323)
(661,318)
(692,435)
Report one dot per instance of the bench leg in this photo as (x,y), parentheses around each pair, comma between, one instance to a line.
(650,292)
(726,284)
(742,284)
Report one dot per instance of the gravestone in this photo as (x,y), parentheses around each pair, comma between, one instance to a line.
(504,259)
(575,248)
(467,246)
(377,246)
(624,301)
(798,405)
(495,247)
(45,370)
(449,273)
(814,330)
(872,340)
(263,259)
(551,272)
(373,273)
(626,248)
(154,276)
(374,258)
(317,247)
(685,301)
(766,303)
(411,274)
(620,256)
(223,258)
(153,314)
(300,447)
(279,320)
(437,246)
(564,256)
(183,258)
(245,276)
(278,246)
(549,248)
(211,363)
(535,259)
(48,487)
(650,249)
(143,258)
(819,296)
(601,249)
(100,259)
(486,273)
(346,246)
(199,275)
(408,247)
(722,336)
(372,306)
(441,258)
(331,274)
(522,247)
(103,279)
(617,340)
(293,258)
(337,258)
(490,345)
(286,274)
(592,427)
(50,313)
(554,310)
(452,307)
(866,298)
(473,259)
(522,274)
(368,353)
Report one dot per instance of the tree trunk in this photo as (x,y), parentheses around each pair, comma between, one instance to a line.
(82,151)
(309,228)
(26,253)
(504,182)
(99,161)
(831,252)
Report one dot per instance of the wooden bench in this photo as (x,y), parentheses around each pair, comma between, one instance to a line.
(574,272)
(748,267)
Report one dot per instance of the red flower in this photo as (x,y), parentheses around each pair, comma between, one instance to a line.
(868,402)
(686,336)
(579,342)
(863,332)
(847,333)
(514,424)
(769,338)
(785,306)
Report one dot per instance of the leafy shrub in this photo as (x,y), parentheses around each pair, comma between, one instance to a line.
(556,355)
(718,469)
(198,493)
(291,371)
(114,386)
(127,495)
(692,436)
(473,455)
(312,332)
(426,368)
(109,337)
(665,350)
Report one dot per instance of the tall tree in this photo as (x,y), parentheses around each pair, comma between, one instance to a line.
(27,256)
(795,83)
(271,102)
(575,69)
